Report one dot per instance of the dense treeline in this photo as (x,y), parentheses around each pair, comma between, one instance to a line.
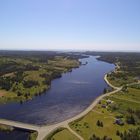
(13,67)
(30,83)
(6,83)
(41,56)
(132,134)
(94,137)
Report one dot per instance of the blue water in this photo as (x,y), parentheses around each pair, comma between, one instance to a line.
(14,135)
(68,96)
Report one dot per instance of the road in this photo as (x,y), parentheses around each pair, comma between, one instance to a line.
(43,131)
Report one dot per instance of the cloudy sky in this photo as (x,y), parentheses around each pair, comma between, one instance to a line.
(70,24)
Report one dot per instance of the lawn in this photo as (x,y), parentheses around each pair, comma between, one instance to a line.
(7,96)
(62,134)
(119,81)
(87,126)
(33,136)
(132,94)
(126,100)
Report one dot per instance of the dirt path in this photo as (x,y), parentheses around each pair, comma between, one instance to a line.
(74,133)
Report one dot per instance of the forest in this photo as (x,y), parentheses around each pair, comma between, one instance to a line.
(25,74)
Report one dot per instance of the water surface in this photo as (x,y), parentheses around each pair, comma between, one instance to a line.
(14,135)
(68,96)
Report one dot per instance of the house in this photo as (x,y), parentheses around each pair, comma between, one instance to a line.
(104,106)
(119,122)
(137,79)
(109,101)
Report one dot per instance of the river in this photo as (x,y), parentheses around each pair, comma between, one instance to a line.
(67,97)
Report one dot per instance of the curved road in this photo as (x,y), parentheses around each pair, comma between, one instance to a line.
(43,131)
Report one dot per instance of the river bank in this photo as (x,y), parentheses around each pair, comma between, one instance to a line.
(45,130)
(86,79)
(26,84)
(65,124)
(61,101)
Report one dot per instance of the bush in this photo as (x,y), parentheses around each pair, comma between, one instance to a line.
(99,123)
(133,134)
(118,133)
(30,83)
(130,119)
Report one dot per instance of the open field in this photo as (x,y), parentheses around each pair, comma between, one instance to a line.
(119,81)
(87,126)
(61,134)
(33,136)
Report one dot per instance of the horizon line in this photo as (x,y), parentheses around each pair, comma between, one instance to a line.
(72,50)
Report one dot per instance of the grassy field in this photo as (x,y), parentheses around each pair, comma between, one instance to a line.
(8,96)
(33,136)
(131,94)
(61,134)
(87,126)
(107,111)
(107,114)
(121,79)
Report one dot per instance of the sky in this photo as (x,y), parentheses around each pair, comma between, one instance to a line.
(104,25)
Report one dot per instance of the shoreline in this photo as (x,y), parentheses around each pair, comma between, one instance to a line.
(45,130)
(65,124)
(22,99)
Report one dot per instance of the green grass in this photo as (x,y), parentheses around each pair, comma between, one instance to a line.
(63,62)
(120,81)
(87,126)
(132,94)
(33,75)
(126,100)
(7,96)
(33,136)
(136,86)
(61,134)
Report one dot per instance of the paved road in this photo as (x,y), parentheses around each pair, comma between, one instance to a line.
(20,125)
